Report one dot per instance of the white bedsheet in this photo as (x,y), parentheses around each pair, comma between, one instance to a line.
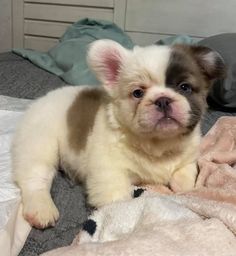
(13,228)
(9,193)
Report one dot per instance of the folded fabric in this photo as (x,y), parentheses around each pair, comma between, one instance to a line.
(223,94)
(179,39)
(159,222)
(68,58)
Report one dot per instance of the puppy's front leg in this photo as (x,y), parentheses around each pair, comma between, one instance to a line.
(184,179)
(38,207)
(108,185)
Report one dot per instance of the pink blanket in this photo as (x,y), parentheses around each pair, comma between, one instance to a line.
(159,222)
(217,177)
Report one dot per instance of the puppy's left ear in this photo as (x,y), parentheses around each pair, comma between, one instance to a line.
(210,62)
(106,57)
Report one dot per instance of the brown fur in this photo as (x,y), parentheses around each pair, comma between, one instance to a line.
(186,67)
(81,116)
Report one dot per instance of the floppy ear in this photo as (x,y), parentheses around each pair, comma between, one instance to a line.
(105,57)
(210,62)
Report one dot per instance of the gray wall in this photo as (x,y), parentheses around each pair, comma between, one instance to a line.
(5,25)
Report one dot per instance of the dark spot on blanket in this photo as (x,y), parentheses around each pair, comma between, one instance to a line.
(90,226)
(138,192)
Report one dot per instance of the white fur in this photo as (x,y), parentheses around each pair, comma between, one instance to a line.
(111,160)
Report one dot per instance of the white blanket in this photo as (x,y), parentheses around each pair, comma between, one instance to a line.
(9,194)
(13,228)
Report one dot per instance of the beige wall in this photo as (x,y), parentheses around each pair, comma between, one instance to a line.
(5,25)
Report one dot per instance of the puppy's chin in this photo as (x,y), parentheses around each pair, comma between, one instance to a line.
(166,127)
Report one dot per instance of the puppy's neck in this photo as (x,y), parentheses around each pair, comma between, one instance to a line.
(154,147)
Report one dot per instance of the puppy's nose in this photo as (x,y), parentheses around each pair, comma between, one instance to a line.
(163,104)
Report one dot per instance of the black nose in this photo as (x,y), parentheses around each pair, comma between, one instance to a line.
(163,104)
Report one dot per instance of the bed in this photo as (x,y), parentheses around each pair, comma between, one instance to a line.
(21,79)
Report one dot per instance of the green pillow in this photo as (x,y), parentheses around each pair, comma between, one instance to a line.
(68,58)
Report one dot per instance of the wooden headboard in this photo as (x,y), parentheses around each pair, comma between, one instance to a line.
(37,24)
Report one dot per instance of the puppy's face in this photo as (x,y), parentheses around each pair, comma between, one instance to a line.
(156,91)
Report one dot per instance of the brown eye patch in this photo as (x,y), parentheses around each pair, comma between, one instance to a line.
(185,88)
(183,69)
(184,76)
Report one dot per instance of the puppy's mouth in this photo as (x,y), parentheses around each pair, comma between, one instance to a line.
(162,124)
(167,123)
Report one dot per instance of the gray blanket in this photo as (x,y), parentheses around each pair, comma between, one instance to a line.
(20,79)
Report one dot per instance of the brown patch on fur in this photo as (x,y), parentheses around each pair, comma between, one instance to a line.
(211,70)
(191,64)
(184,68)
(81,116)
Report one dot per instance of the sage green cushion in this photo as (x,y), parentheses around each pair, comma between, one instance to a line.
(68,58)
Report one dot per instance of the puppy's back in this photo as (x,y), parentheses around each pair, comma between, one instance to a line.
(40,130)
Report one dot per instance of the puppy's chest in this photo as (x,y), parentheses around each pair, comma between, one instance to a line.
(153,169)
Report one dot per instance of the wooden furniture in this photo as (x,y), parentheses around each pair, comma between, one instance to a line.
(38,24)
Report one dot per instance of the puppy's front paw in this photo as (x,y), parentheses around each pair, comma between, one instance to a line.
(184,179)
(181,183)
(108,196)
(106,193)
(39,209)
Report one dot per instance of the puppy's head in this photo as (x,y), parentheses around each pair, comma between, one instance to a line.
(156,91)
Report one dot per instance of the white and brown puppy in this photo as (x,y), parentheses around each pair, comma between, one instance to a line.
(142,126)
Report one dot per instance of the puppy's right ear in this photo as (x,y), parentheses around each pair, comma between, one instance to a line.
(106,57)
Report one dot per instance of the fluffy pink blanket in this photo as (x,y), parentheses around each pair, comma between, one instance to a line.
(159,222)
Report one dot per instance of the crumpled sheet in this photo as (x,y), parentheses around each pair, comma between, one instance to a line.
(13,228)
(159,222)
(218,157)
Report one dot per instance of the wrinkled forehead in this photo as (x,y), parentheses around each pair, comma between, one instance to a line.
(160,65)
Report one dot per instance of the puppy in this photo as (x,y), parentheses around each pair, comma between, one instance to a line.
(141,126)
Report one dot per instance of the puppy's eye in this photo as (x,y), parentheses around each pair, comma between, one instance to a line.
(138,93)
(185,87)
